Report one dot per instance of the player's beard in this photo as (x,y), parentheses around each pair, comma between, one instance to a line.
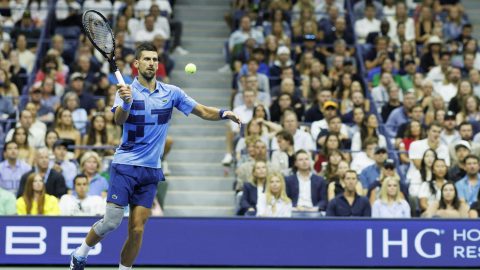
(147,77)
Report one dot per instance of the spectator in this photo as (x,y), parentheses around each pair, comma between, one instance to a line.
(329,110)
(252,65)
(12,168)
(365,158)
(354,100)
(36,135)
(402,16)
(417,115)
(414,131)
(468,64)
(299,7)
(161,22)
(379,93)
(277,31)
(393,91)
(432,103)
(384,29)
(456,104)
(87,101)
(309,42)
(339,33)
(82,204)
(390,203)
(440,115)
(90,165)
(457,171)
(35,200)
(60,161)
(18,72)
(376,55)
(149,32)
(286,102)
(332,141)
(66,130)
(245,30)
(54,183)
(244,172)
(25,56)
(50,138)
(9,88)
(425,25)
(53,74)
(474,210)
(386,65)
(437,73)
(26,153)
(112,128)
(250,148)
(283,61)
(331,165)
(367,25)
(465,129)
(358,114)
(371,173)
(452,28)
(27,29)
(44,112)
(368,129)
(400,115)
(337,185)
(277,16)
(430,59)
(471,47)
(302,140)
(359,8)
(251,82)
(284,157)
(274,202)
(430,189)
(469,110)
(79,115)
(241,57)
(315,113)
(322,10)
(307,191)
(388,170)
(7,203)
(6,104)
(254,187)
(58,42)
(449,205)
(469,185)
(424,174)
(103,6)
(407,81)
(349,203)
(257,128)
(49,99)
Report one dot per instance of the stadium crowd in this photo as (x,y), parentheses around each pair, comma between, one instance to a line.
(373,112)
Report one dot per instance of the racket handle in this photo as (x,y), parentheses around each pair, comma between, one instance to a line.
(120,78)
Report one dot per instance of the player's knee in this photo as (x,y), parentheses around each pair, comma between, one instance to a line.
(113,218)
(136,230)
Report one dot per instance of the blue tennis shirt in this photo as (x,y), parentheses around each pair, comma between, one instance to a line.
(145,131)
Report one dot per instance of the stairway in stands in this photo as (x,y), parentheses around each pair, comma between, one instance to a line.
(197,186)
(472,8)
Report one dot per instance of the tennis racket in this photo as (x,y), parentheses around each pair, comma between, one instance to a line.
(100,33)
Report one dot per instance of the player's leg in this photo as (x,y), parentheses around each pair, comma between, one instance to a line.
(136,225)
(168,146)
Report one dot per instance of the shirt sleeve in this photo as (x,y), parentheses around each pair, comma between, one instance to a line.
(424,191)
(460,190)
(415,152)
(376,208)
(184,103)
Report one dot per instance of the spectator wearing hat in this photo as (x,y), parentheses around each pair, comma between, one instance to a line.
(428,60)
(283,61)
(329,110)
(469,186)
(401,114)
(367,25)
(67,168)
(309,42)
(457,171)
(6,104)
(12,168)
(44,112)
(339,33)
(315,113)
(25,56)
(371,173)
(388,170)
(27,29)
(77,86)
(349,203)
(465,129)
(437,74)
(54,183)
(407,80)
(449,134)
(244,32)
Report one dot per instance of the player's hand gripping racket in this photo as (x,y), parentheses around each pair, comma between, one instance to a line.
(100,33)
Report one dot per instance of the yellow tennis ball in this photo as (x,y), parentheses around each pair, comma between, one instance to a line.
(190,68)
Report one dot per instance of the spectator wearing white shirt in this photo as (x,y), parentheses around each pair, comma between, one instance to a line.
(368,129)
(449,87)
(430,190)
(149,33)
(367,25)
(437,74)
(365,158)
(329,110)
(103,6)
(161,22)
(25,57)
(301,139)
(465,129)
(244,32)
(321,11)
(274,202)
(418,148)
(64,8)
(67,168)
(449,135)
(401,15)
(36,137)
(81,204)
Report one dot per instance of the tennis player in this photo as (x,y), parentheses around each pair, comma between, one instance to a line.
(144,108)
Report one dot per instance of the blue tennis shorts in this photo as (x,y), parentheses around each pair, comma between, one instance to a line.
(133,184)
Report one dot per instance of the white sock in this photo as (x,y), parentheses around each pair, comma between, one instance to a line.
(83,250)
(121,267)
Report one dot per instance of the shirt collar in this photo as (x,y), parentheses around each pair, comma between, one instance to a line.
(138,86)
(309,176)
(342,195)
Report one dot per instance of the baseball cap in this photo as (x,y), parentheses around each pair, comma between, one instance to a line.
(76,75)
(463,143)
(60,142)
(283,50)
(410,61)
(450,114)
(36,87)
(389,162)
(380,148)
(330,104)
(27,14)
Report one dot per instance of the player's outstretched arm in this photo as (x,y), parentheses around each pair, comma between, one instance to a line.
(211,113)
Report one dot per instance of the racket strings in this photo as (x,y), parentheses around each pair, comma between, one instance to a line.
(100,31)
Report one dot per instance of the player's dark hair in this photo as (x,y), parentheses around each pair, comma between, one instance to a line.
(79,176)
(144,47)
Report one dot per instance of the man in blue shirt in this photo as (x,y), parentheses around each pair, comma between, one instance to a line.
(349,203)
(144,109)
(401,114)
(469,186)
(371,173)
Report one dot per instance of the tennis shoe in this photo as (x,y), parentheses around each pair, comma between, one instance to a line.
(77,262)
